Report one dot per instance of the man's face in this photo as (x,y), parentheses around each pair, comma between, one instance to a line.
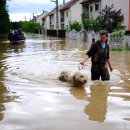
(103,38)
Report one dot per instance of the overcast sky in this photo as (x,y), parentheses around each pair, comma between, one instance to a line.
(19,9)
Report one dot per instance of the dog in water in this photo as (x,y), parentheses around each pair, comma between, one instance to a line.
(75,78)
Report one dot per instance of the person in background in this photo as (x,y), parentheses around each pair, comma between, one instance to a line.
(93,37)
(99,53)
(10,36)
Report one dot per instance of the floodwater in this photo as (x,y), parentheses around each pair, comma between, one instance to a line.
(32,98)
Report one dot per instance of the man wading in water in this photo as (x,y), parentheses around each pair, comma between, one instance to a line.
(99,53)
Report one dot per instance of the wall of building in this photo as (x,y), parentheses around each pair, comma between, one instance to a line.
(76,11)
(40,17)
(73,14)
(95,13)
(67,18)
(47,23)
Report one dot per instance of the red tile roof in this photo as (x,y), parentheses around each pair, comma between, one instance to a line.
(84,1)
(68,4)
(54,10)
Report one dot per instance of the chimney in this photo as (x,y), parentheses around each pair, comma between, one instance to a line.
(63,2)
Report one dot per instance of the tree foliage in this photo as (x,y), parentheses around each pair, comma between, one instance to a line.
(4,17)
(30,26)
(75,25)
(89,23)
(16,25)
(110,18)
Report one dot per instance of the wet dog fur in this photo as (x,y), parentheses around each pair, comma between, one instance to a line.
(75,78)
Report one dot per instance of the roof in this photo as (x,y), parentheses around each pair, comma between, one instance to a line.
(69,4)
(84,1)
(53,10)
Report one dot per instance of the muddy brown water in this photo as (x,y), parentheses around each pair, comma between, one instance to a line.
(31,97)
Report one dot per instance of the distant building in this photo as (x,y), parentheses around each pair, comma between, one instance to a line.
(96,7)
(71,11)
(40,17)
(52,18)
(46,22)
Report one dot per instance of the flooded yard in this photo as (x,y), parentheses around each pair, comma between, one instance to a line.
(32,98)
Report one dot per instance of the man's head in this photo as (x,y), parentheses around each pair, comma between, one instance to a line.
(104,36)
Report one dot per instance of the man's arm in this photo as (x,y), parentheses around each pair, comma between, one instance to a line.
(89,53)
(85,58)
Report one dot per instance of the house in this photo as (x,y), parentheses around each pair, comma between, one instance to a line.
(40,17)
(54,24)
(42,20)
(46,21)
(96,7)
(71,11)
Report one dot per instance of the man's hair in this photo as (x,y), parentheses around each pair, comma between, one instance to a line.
(104,33)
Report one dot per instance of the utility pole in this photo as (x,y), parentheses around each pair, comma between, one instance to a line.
(57,17)
(63,2)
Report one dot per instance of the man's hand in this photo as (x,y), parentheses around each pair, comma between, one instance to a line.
(84,59)
(82,62)
(111,69)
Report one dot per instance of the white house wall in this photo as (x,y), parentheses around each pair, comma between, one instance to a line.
(47,23)
(95,13)
(40,17)
(67,19)
(74,14)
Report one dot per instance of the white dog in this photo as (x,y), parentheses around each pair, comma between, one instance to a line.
(75,78)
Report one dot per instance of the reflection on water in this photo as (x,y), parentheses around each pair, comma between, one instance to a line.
(5,97)
(17,47)
(3,90)
(28,73)
(78,92)
(97,107)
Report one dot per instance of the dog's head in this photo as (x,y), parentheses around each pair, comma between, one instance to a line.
(79,78)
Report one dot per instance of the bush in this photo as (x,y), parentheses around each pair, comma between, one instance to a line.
(75,25)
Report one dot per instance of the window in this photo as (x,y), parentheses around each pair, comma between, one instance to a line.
(96,6)
(91,8)
(67,14)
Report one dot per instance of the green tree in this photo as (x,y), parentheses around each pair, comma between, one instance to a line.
(96,25)
(4,17)
(15,25)
(75,25)
(29,26)
(87,21)
(111,19)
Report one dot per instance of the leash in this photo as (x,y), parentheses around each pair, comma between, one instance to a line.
(80,66)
